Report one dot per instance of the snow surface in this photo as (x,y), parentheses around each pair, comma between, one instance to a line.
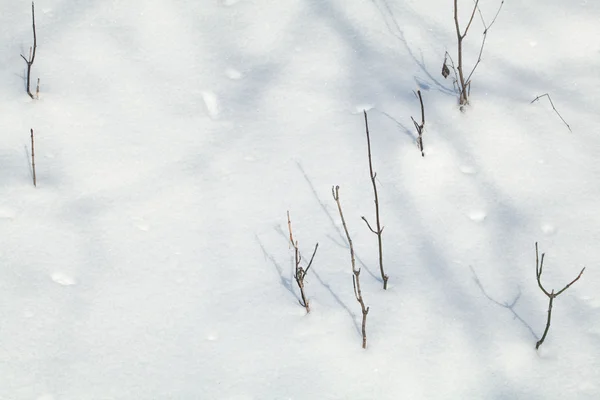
(152,261)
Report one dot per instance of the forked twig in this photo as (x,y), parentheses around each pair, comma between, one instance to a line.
(462,85)
(554,108)
(485,32)
(300,273)
(539,265)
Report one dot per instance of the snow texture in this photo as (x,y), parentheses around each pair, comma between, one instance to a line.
(152,260)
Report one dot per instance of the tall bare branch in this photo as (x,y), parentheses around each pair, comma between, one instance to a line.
(464,85)
(379,230)
(335,191)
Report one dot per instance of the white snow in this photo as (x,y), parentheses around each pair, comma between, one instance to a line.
(152,260)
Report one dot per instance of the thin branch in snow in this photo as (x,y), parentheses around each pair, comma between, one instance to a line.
(300,273)
(379,230)
(335,191)
(463,85)
(554,108)
(539,266)
(33,159)
(485,32)
(29,61)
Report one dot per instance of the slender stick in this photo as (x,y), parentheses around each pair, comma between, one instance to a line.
(33,159)
(379,230)
(539,342)
(422,109)
(335,191)
(470,19)
(29,61)
(554,108)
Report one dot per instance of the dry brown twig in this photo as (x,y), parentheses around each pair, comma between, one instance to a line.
(29,61)
(379,230)
(539,265)
(33,160)
(420,127)
(554,108)
(335,191)
(462,84)
(300,273)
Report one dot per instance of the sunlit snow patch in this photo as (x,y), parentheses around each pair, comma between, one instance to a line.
(477,215)
(63,279)
(233,74)
(548,229)
(212,104)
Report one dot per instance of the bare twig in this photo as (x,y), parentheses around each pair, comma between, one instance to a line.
(419,127)
(29,61)
(554,108)
(300,273)
(446,71)
(539,265)
(464,85)
(470,20)
(33,159)
(335,191)
(379,230)
(485,32)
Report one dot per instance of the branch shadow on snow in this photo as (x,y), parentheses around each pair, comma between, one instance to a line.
(394,28)
(28,161)
(286,282)
(367,62)
(405,130)
(340,302)
(343,239)
(509,306)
